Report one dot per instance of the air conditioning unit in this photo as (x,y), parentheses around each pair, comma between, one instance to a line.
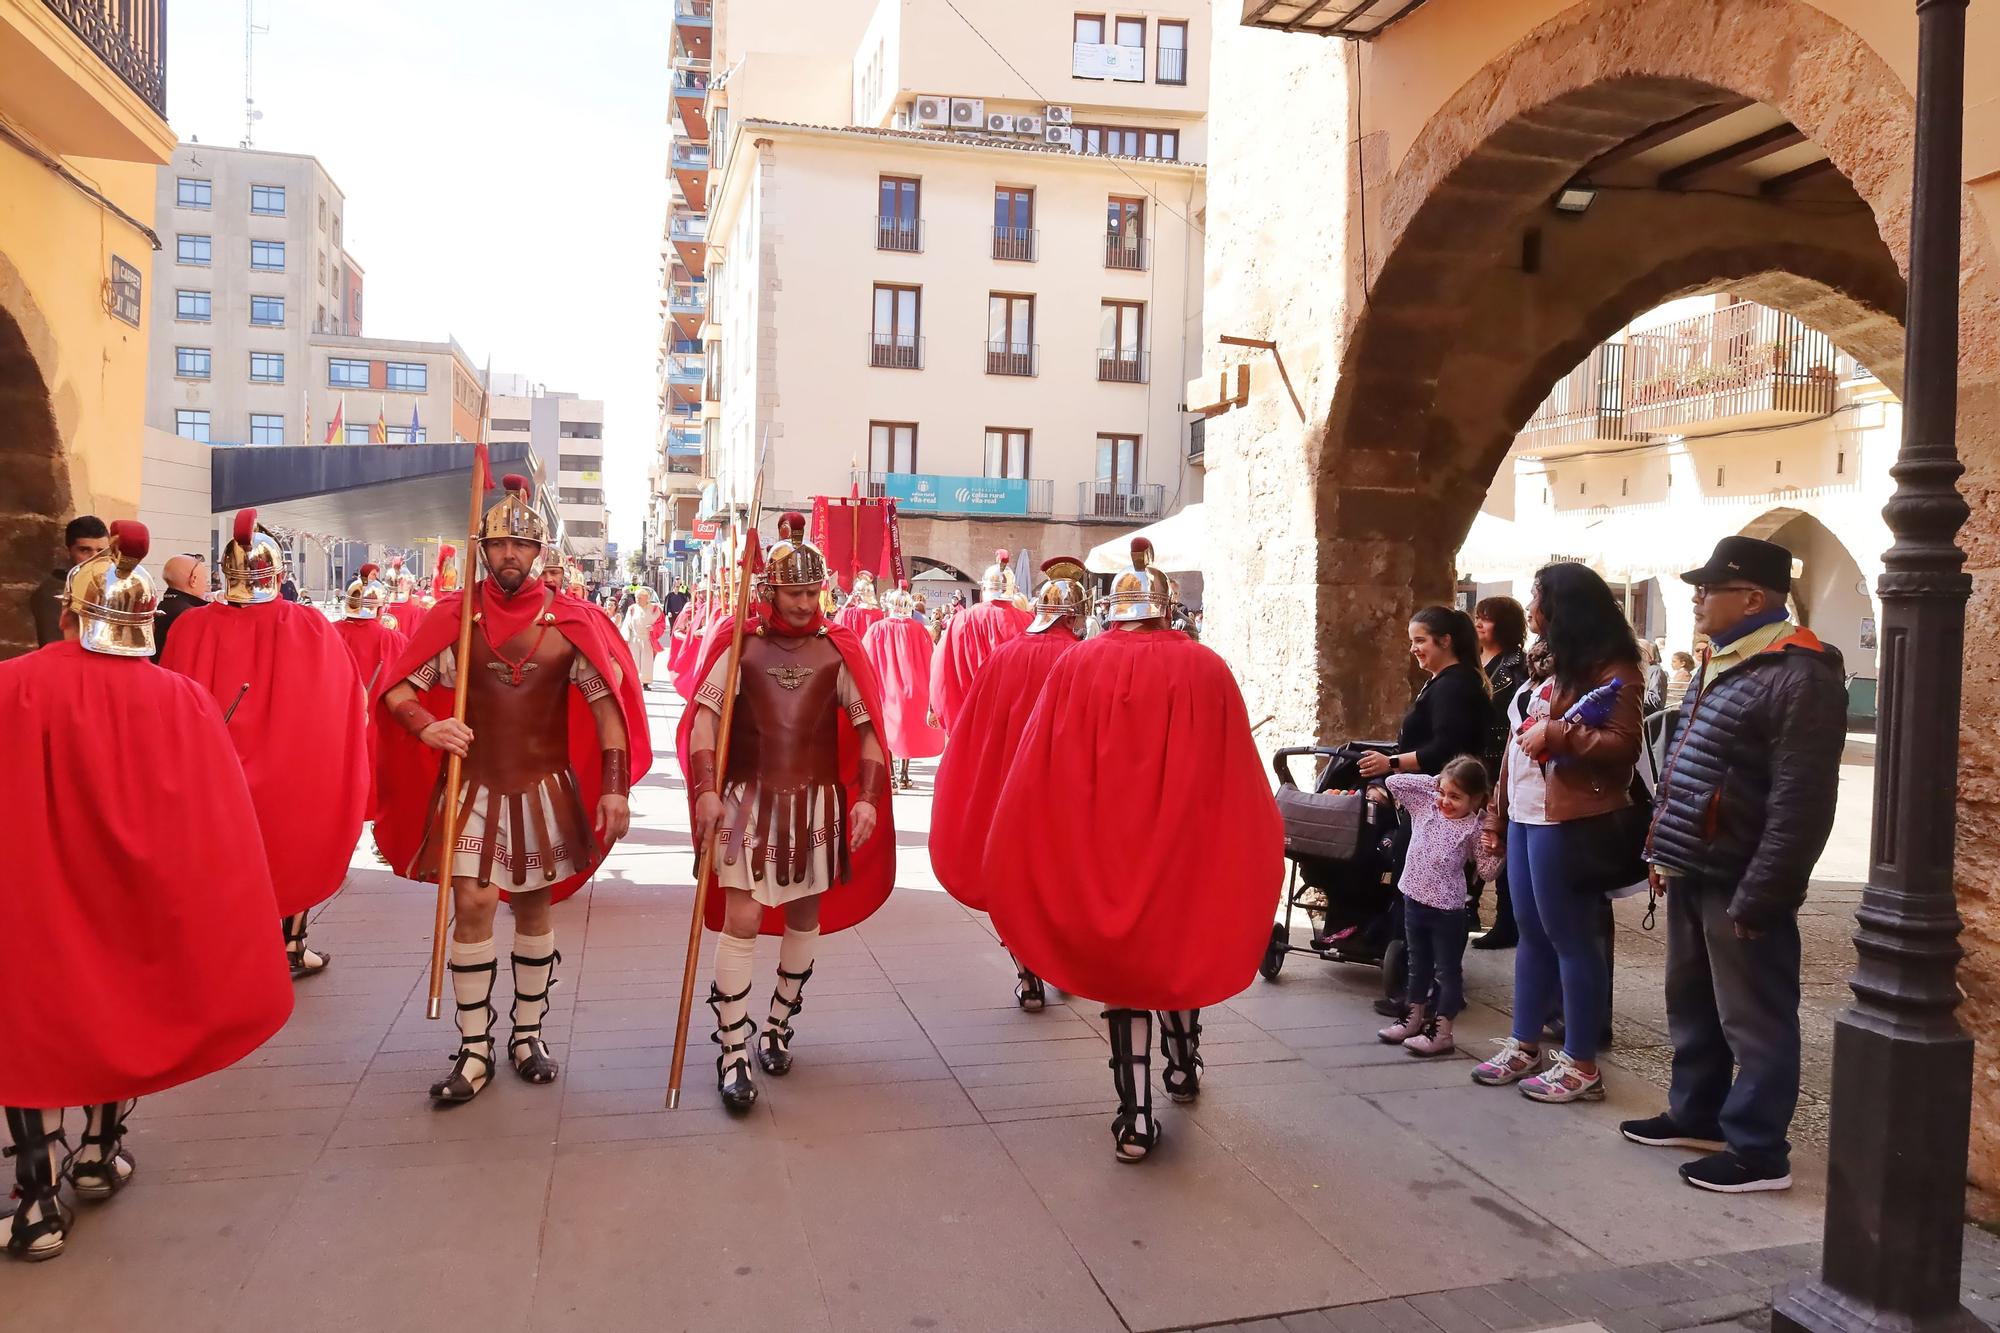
(1061,115)
(1030,125)
(999,122)
(1136,505)
(1058,136)
(968,113)
(900,121)
(933,112)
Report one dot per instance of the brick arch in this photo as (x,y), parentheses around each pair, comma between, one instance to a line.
(34,472)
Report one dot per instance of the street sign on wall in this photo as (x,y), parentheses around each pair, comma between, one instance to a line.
(925,493)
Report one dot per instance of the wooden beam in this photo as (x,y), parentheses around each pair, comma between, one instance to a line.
(1799,176)
(1757,147)
(1669,130)
(1299,24)
(1255,10)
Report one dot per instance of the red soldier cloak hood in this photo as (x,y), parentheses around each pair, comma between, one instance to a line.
(689,639)
(1176,911)
(969,639)
(299,729)
(974,767)
(408,777)
(872,869)
(147,948)
(899,649)
(858,619)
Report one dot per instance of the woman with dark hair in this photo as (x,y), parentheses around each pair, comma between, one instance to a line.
(1562,770)
(1502,627)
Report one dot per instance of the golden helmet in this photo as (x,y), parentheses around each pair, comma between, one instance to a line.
(1139,592)
(514,516)
(114,599)
(365,595)
(1065,594)
(253,564)
(864,590)
(899,604)
(446,578)
(998,581)
(398,584)
(793,562)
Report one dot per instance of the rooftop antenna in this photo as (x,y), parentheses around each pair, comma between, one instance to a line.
(251,30)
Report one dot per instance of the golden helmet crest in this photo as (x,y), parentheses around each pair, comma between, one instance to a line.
(514,514)
(113,598)
(253,563)
(793,562)
(366,594)
(1066,593)
(998,581)
(446,578)
(1139,592)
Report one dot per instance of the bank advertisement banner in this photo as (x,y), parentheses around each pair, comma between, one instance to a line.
(924,493)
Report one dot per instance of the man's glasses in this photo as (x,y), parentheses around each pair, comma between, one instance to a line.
(1703,591)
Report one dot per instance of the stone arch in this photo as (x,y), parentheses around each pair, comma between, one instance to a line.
(1832,593)
(34,474)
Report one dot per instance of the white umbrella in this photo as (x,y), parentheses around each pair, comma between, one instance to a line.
(1180,544)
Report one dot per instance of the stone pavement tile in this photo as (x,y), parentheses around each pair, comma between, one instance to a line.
(1448,1313)
(159,1128)
(699,1114)
(495,1114)
(1050,1025)
(1030,1052)
(1321,1152)
(819,1113)
(1715,1309)
(1092,1065)
(1069,1090)
(983,1253)
(258,1090)
(430,1246)
(1534,1307)
(1189,1236)
(690,1235)
(1096,1107)
(505,1148)
(268,1154)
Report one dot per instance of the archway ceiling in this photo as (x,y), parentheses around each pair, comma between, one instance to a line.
(1357,19)
(1730,144)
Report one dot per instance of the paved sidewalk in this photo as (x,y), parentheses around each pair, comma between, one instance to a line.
(938,1160)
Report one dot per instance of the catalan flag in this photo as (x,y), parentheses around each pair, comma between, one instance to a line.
(379,432)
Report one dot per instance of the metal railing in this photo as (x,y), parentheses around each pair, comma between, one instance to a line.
(904,234)
(691,82)
(1131,502)
(684,369)
(128,35)
(897,351)
(1018,243)
(690,156)
(694,9)
(1121,365)
(689,297)
(1010,358)
(1587,404)
(963,495)
(1739,360)
(1173,65)
(691,227)
(1126,250)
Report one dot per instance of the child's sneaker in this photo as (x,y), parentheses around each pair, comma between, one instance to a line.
(1510,1064)
(1404,1028)
(1434,1040)
(1563,1082)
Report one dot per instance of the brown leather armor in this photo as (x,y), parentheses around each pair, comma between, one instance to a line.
(784,746)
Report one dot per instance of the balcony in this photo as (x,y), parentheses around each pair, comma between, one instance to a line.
(1022,244)
(1126,250)
(694,22)
(689,234)
(904,234)
(690,156)
(920,493)
(684,370)
(1121,365)
(687,298)
(1742,366)
(1009,358)
(129,36)
(896,351)
(1120,501)
(1173,65)
(1585,409)
(691,78)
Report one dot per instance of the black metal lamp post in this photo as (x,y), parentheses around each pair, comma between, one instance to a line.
(1902,1066)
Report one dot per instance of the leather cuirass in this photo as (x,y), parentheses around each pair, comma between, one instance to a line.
(520,732)
(786,729)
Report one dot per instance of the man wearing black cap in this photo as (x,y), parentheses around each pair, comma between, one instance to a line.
(1744,807)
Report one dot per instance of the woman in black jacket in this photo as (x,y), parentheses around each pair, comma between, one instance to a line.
(1502,627)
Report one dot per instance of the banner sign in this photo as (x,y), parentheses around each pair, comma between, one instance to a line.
(923,493)
(855,534)
(1090,60)
(704,529)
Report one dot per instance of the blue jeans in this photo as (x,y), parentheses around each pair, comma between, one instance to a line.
(1560,960)
(1436,942)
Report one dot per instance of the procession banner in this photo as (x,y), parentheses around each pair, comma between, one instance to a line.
(922,493)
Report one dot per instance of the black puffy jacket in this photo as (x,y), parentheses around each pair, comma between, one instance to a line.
(1747,794)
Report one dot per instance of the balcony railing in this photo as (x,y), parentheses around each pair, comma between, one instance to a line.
(918,493)
(897,351)
(690,156)
(1126,250)
(1173,64)
(1009,358)
(130,36)
(1587,405)
(691,82)
(692,227)
(703,10)
(1742,360)
(1121,365)
(905,234)
(684,370)
(687,298)
(1018,243)
(1129,502)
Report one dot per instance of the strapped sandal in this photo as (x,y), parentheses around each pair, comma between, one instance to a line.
(1180,1044)
(36,1182)
(1029,992)
(526,1050)
(114,1167)
(458,1087)
(774,1044)
(732,1066)
(295,949)
(1134,1130)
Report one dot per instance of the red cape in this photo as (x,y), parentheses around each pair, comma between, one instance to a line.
(872,869)
(974,766)
(968,641)
(374,648)
(408,775)
(299,730)
(1136,853)
(690,637)
(146,946)
(900,652)
(408,615)
(858,619)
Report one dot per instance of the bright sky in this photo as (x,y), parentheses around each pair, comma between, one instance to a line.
(504,165)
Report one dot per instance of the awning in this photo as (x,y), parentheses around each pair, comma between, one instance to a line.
(1180,544)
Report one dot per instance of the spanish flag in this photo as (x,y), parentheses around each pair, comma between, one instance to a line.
(337,428)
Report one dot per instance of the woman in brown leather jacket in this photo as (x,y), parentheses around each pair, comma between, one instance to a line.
(1556,774)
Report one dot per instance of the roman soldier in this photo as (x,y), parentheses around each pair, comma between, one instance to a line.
(971,636)
(553,738)
(863,610)
(402,610)
(371,645)
(690,631)
(899,648)
(807,840)
(990,724)
(297,719)
(142,950)
(1139,717)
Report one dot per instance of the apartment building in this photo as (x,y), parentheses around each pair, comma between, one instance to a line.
(567,434)
(254,268)
(386,391)
(967,282)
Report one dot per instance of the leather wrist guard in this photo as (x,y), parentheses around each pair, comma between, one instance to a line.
(617,773)
(701,772)
(872,783)
(413,716)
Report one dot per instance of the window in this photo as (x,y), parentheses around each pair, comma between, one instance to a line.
(1013,223)
(1121,339)
(1128,141)
(267,311)
(404,435)
(192,249)
(1010,334)
(1125,233)
(1006,452)
(322,212)
(1173,52)
(580,495)
(267,428)
(1117,472)
(584,527)
(580,462)
(322,268)
(191,424)
(357,432)
(1089,30)
(336,233)
(898,223)
(408,376)
(1131,34)
(267,256)
(192,193)
(896,342)
(192,363)
(344,372)
(267,367)
(193,306)
(892,446)
(267,200)
(581,430)
(508,423)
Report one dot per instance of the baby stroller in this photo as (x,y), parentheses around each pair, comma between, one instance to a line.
(1341,848)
